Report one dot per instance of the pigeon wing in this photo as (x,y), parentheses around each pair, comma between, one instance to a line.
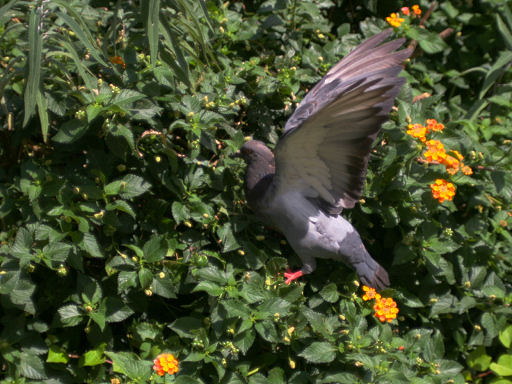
(326,143)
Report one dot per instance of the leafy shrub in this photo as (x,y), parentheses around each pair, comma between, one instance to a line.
(124,232)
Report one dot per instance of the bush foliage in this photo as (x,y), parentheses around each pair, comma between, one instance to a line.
(124,232)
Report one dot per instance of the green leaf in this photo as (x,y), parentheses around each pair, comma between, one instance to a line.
(129,364)
(319,352)
(154,249)
(478,359)
(209,287)
(42,109)
(330,293)
(145,278)
(187,327)
(31,366)
(93,357)
(70,315)
(133,186)
(504,365)
(117,310)
(505,336)
(180,212)
(35,42)
(244,340)
(90,245)
(267,330)
(57,354)
(227,238)
(153,24)
(70,131)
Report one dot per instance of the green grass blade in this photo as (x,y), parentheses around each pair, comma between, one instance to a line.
(42,108)
(153,27)
(505,31)
(495,72)
(89,80)
(33,67)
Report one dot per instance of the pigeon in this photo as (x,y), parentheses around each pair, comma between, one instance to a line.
(320,162)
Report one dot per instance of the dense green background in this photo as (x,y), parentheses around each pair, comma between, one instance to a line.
(124,231)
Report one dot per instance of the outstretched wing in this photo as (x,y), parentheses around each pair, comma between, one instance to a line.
(326,143)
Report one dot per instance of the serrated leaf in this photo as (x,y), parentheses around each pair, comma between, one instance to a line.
(91,246)
(116,310)
(187,327)
(330,293)
(134,186)
(70,131)
(31,366)
(319,352)
(154,249)
(130,365)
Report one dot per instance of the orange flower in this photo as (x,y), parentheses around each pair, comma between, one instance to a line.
(405,10)
(118,60)
(442,190)
(466,170)
(457,153)
(385,309)
(433,125)
(394,20)
(452,164)
(416,9)
(370,293)
(165,363)
(435,151)
(418,131)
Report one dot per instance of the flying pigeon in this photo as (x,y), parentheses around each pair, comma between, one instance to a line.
(319,165)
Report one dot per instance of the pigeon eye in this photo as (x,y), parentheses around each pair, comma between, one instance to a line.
(248,151)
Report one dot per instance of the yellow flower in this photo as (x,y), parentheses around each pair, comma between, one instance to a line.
(385,309)
(395,20)
(165,363)
(442,190)
(370,293)
(433,125)
(466,170)
(452,164)
(435,151)
(418,131)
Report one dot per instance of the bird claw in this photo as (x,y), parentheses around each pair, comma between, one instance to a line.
(290,276)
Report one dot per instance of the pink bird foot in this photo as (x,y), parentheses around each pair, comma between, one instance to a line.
(290,276)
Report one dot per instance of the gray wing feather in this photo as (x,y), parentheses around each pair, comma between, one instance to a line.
(325,148)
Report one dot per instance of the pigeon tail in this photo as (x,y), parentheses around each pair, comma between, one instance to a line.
(378,280)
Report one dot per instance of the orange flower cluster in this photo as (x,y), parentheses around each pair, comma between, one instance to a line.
(442,190)
(436,153)
(396,21)
(385,307)
(165,363)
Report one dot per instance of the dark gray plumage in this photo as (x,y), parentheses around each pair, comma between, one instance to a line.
(320,162)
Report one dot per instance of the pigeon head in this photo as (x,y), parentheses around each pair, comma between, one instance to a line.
(256,152)
(260,169)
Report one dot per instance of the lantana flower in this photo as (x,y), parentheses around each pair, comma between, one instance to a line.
(370,293)
(442,190)
(435,151)
(165,363)
(118,60)
(406,11)
(385,309)
(416,9)
(395,20)
(433,125)
(418,131)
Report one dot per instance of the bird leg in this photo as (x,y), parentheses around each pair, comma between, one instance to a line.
(290,276)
